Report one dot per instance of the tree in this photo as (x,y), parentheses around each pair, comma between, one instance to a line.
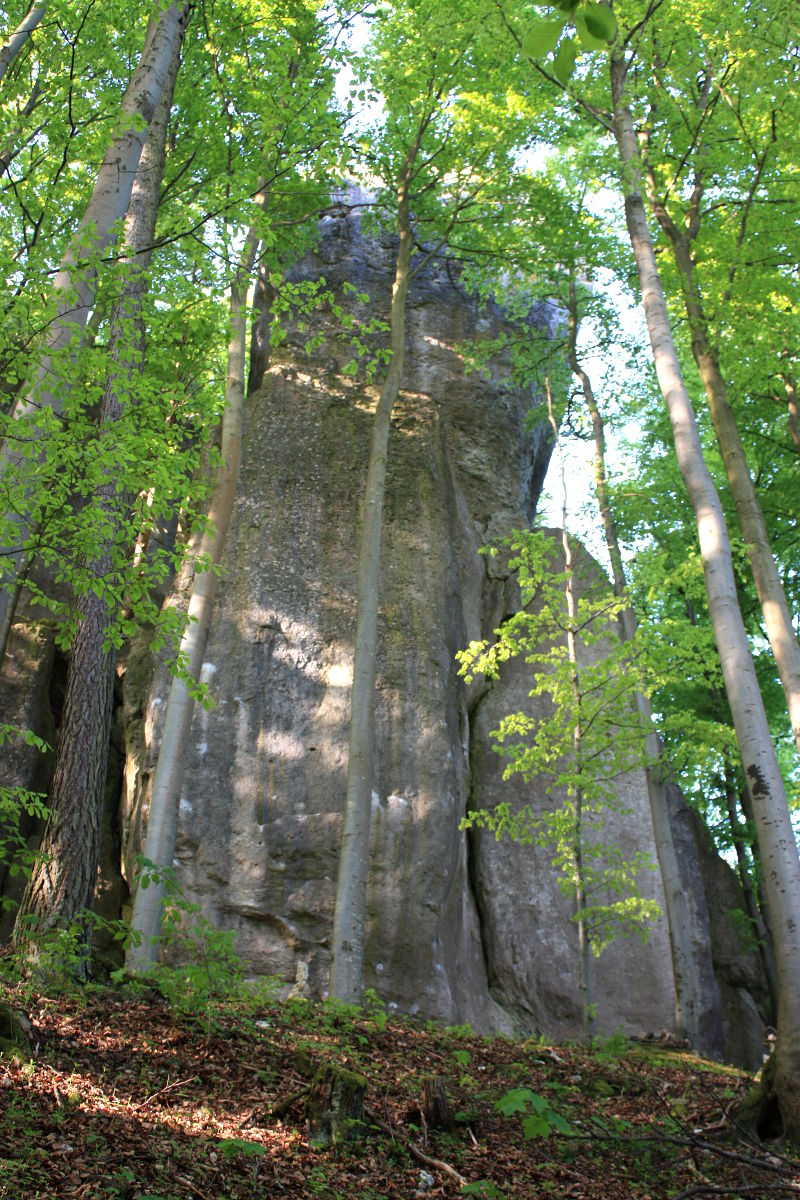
(63,881)
(73,292)
(696,148)
(753,734)
(306,86)
(763,776)
(594,735)
(440,145)
(11,48)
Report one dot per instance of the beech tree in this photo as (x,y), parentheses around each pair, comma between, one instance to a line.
(563,256)
(73,292)
(764,780)
(299,122)
(595,734)
(727,141)
(444,145)
(63,880)
(753,734)
(11,48)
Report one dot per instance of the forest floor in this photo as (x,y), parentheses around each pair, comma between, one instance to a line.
(123,1096)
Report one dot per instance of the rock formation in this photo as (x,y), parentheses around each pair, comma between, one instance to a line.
(463,929)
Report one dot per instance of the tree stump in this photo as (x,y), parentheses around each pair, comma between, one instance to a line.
(435,1110)
(15,1029)
(335,1106)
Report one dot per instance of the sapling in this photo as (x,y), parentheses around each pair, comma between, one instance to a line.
(593,737)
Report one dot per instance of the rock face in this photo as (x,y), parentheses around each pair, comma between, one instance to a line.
(462,931)
(461,927)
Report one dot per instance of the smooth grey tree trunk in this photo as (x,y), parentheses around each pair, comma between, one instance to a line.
(584,945)
(11,48)
(75,282)
(771,593)
(347,950)
(684,966)
(162,822)
(759,761)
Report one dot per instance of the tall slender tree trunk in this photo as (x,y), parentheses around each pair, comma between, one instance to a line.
(162,822)
(771,593)
(10,49)
(759,761)
(684,966)
(584,943)
(62,884)
(75,283)
(347,951)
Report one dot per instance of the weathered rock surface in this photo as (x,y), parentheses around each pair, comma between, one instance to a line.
(530,940)
(482,936)
(459,929)
(734,960)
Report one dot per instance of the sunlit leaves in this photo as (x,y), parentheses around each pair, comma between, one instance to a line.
(594,23)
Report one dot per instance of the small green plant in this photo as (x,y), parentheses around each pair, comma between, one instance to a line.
(206,981)
(481,1187)
(461,1057)
(375,1008)
(16,803)
(613,1048)
(232,1147)
(539,1119)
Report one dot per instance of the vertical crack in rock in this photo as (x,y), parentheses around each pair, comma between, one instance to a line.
(470,712)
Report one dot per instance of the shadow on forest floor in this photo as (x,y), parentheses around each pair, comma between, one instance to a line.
(120,1101)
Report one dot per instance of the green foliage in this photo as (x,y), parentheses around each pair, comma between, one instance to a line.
(595,24)
(598,699)
(539,1119)
(16,804)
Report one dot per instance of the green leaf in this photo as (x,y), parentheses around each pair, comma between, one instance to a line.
(589,40)
(536,1126)
(600,21)
(350,368)
(517,1100)
(542,37)
(565,60)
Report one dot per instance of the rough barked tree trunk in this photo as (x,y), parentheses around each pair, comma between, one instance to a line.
(684,967)
(10,50)
(63,882)
(771,594)
(75,283)
(347,950)
(759,761)
(162,822)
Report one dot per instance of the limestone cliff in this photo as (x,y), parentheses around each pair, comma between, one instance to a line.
(460,930)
